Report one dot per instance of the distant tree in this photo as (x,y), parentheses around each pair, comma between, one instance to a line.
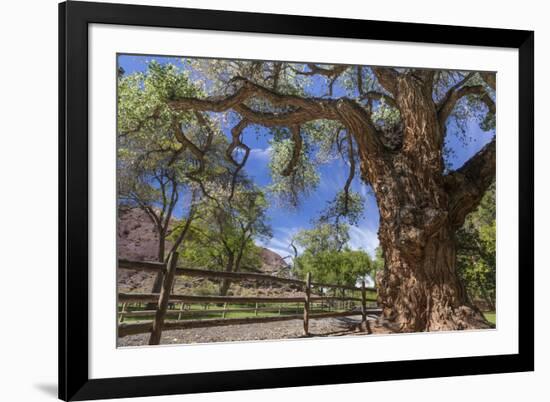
(223,238)
(154,171)
(476,251)
(157,192)
(328,258)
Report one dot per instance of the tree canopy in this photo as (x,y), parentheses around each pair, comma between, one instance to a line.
(328,258)
(476,251)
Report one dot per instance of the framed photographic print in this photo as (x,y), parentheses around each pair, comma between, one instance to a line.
(258,201)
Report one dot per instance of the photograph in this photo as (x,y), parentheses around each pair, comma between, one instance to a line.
(273,200)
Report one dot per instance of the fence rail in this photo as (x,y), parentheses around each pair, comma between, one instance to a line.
(165,298)
(154,297)
(161,267)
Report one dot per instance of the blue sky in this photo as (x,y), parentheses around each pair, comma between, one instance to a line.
(286,222)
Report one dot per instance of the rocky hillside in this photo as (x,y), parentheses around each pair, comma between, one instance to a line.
(273,264)
(137,239)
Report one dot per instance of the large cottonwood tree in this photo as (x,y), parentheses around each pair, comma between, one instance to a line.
(390,123)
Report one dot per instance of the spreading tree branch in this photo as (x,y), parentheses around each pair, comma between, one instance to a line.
(467,185)
(302,110)
(298,111)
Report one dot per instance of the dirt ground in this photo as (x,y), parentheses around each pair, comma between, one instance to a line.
(253,332)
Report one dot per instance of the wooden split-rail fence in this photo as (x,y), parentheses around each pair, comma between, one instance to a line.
(165,298)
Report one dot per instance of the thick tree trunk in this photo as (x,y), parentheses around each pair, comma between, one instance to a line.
(224,287)
(419,289)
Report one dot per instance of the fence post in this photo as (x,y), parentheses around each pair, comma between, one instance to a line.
(122,312)
(256,310)
(365,326)
(224,309)
(345,303)
(164,298)
(306,304)
(182,308)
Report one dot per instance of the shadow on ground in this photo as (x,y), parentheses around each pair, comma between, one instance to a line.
(48,389)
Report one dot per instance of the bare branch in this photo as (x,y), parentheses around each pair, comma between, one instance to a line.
(236,133)
(296,151)
(186,142)
(351,173)
(294,248)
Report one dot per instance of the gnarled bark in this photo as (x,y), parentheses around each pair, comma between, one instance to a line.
(419,289)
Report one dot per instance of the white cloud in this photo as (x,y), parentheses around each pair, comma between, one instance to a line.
(279,243)
(261,153)
(362,238)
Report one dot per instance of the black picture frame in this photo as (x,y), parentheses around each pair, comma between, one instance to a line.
(74,18)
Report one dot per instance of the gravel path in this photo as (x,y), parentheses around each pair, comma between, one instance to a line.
(254,332)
